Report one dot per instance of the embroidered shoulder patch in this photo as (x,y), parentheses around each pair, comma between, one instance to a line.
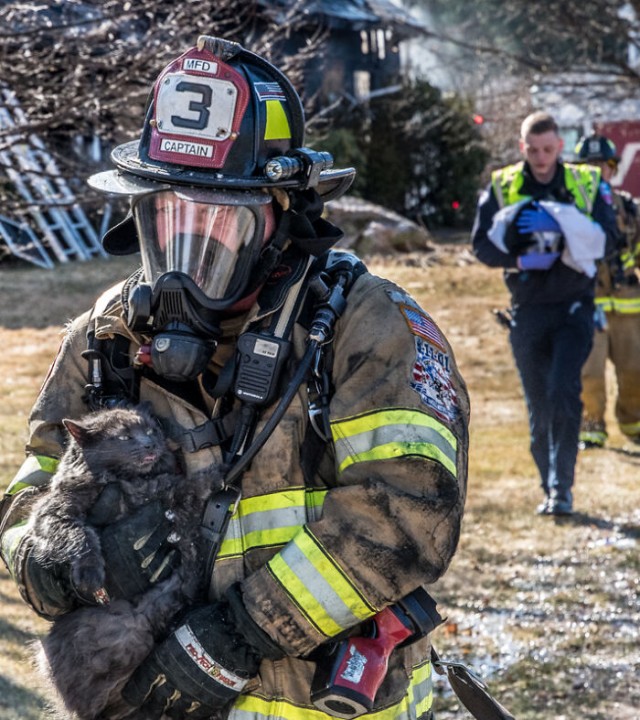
(431,370)
(431,379)
(606,192)
(422,325)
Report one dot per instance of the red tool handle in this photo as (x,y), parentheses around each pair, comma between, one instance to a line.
(360,667)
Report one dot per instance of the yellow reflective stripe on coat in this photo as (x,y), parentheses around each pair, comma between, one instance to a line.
(630,429)
(34,471)
(622,306)
(628,259)
(318,586)
(391,434)
(11,539)
(414,704)
(270,520)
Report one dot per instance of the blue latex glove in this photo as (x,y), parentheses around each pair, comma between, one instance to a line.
(537,261)
(536,220)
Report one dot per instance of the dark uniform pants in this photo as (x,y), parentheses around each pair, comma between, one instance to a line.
(550,343)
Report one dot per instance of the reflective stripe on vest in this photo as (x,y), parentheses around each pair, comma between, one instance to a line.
(582,181)
(35,471)
(414,704)
(375,437)
(622,306)
(270,520)
(317,585)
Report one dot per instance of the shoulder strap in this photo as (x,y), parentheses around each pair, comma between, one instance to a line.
(220,506)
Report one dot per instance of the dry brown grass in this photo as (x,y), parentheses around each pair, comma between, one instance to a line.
(546,609)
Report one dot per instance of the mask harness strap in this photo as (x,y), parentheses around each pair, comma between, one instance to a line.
(111,381)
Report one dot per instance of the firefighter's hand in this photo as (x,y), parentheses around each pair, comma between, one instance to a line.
(203,665)
(139,551)
(537,261)
(48,587)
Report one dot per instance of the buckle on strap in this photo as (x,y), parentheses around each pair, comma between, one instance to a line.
(217,513)
(215,521)
(210,433)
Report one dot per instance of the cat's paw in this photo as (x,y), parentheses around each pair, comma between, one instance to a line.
(88,577)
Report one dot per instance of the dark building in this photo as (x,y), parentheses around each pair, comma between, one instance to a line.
(360,55)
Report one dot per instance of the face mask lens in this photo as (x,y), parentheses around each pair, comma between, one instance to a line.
(213,244)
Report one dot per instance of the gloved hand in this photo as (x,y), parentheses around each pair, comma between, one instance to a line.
(536,219)
(204,664)
(537,261)
(138,551)
(47,588)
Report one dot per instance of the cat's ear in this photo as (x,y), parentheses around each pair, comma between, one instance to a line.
(77,431)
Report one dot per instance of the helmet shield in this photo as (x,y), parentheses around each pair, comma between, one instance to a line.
(204,236)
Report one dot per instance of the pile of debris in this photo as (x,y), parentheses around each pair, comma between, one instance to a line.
(52,227)
(371,229)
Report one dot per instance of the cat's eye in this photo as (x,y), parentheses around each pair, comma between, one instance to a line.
(151,431)
(124,437)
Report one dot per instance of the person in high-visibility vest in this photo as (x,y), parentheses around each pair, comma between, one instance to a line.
(617,335)
(546,222)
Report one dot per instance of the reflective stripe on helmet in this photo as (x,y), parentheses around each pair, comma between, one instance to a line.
(375,437)
(277,127)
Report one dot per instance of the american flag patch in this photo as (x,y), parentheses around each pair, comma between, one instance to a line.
(269,91)
(423,326)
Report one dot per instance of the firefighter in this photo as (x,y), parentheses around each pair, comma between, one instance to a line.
(617,335)
(546,222)
(327,398)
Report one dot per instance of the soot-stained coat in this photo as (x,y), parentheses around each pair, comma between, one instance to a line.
(320,545)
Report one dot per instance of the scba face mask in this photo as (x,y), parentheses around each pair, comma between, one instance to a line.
(199,250)
(220,119)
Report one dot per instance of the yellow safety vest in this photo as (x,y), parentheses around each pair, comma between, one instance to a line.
(582,181)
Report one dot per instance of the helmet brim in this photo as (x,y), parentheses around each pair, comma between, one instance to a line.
(144,177)
(133,177)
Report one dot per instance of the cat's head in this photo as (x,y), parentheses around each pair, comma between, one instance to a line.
(119,438)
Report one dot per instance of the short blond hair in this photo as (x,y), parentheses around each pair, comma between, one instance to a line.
(538,123)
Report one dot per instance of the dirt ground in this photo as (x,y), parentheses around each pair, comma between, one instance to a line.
(545,610)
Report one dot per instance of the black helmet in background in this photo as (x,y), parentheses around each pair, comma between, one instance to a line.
(596,148)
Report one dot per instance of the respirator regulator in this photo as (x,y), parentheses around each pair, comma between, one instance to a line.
(182,347)
(198,253)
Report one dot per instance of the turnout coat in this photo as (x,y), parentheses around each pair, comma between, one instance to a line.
(327,531)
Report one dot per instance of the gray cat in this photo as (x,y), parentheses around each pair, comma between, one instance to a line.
(116,462)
